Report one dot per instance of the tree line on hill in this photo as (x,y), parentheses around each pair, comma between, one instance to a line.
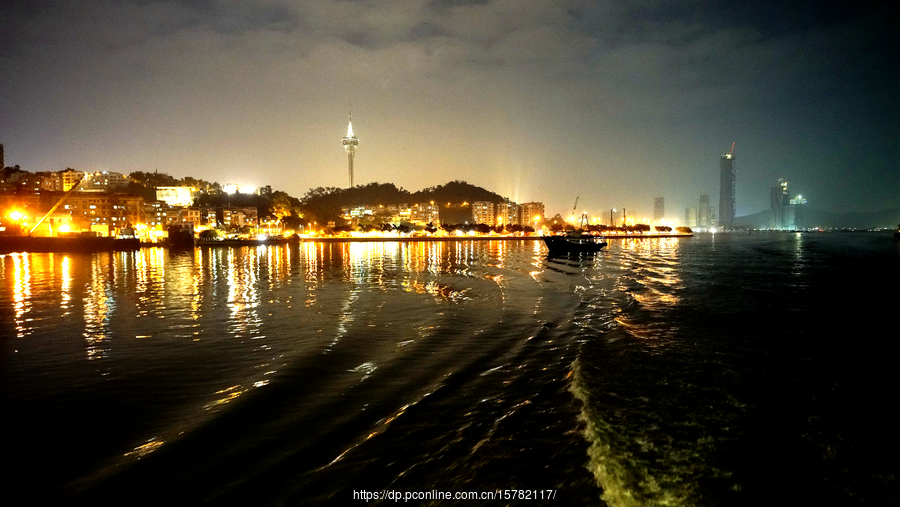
(622,229)
(322,204)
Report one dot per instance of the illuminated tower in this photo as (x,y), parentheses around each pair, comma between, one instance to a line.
(726,190)
(350,144)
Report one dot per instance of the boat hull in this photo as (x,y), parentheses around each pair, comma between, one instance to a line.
(10,244)
(565,245)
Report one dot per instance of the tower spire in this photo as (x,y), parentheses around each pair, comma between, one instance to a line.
(350,144)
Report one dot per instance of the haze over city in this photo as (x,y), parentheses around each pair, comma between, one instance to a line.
(536,100)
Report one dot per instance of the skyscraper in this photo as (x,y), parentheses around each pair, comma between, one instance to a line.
(690,217)
(779,202)
(703,215)
(726,190)
(659,208)
(350,144)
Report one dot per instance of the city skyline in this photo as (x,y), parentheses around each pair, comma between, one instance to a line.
(539,101)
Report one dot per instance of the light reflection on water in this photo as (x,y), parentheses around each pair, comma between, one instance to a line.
(21,292)
(105,290)
(469,352)
(651,277)
(185,335)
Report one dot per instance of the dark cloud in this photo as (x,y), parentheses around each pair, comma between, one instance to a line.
(425,30)
(448,4)
(251,16)
(366,39)
(634,99)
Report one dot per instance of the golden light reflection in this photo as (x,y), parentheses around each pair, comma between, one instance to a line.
(143,450)
(227,395)
(98,306)
(149,276)
(385,265)
(243,291)
(198,282)
(66,286)
(656,283)
(21,292)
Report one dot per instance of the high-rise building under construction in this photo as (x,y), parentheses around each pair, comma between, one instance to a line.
(726,190)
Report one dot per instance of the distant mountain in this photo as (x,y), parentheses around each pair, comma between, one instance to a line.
(808,217)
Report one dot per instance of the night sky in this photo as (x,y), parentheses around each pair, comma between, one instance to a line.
(540,100)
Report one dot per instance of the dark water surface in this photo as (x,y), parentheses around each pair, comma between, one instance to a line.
(714,370)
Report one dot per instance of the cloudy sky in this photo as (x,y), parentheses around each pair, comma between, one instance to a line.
(538,100)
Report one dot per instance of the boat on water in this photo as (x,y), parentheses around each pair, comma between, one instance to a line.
(576,241)
(79,243)
(573,242)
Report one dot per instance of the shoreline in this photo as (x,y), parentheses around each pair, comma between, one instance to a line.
(408,240)
(24,244)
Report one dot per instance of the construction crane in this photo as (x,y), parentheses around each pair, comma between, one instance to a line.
(83,178)
(583,215)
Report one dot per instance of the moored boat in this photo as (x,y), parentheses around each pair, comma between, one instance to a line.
(574,242)
(80,243)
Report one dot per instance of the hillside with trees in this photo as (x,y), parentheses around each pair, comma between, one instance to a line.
(324,204)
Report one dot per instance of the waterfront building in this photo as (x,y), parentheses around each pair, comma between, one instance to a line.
(659,209)
(59,181)
(112,211)
(531,213)
(190,216)
(251,216)
(404,213)
(690,217)
(425,214)
(350,144)
(271,223)
(483,212)
(26,182)
(797,210)
(506,213)
(366,211)
(104,181)
(726,190)
(779,202)
(703,212)
(177,196)
(232,217)
(158,215)
(228,217)
(70,178)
